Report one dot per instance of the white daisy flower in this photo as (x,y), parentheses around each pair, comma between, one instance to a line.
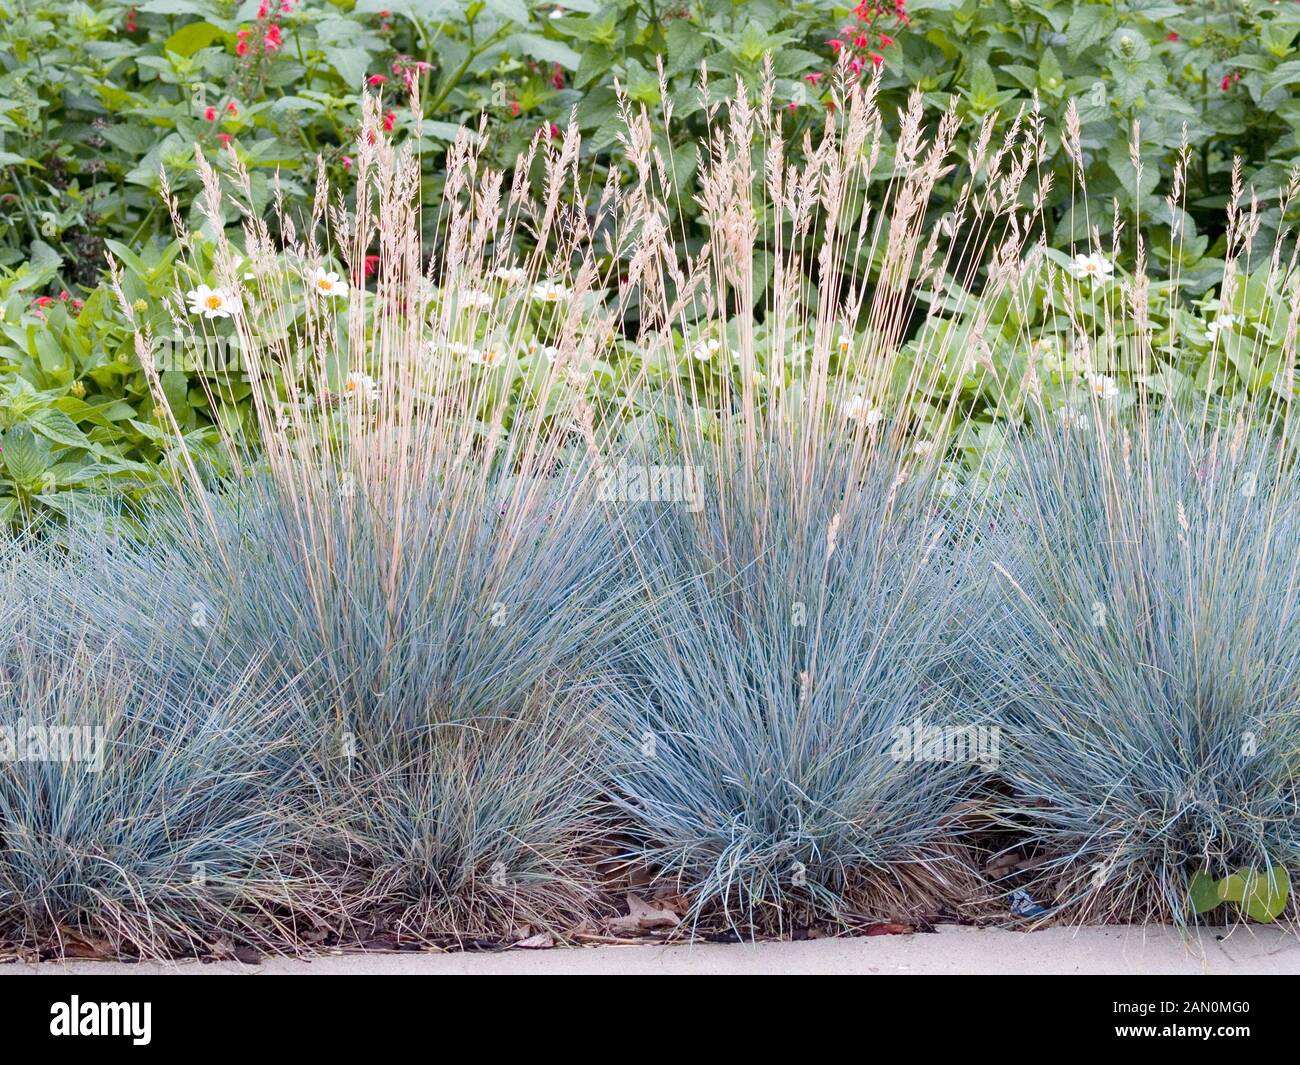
(1222,324)
(1072,419)
(844,343)
(550,292)
(1095,267)
(857,409)
(1102,386)
(511,275)
(701,353)
(475,300)
(210,302)
(360,386)
(488,356)
(327,283)
(547,351)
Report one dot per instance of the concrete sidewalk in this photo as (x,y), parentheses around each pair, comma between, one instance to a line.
(953,949)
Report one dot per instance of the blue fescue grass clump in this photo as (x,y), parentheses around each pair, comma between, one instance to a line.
(1141,634)
(796,629)
(149,782)
(438,633)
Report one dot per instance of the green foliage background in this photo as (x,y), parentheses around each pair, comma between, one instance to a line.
(97,97)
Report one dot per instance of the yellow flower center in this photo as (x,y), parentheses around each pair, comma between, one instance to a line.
(324,284)
(214,302)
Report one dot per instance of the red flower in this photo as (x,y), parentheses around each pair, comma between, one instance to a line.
(131,24)
(1172,36)
(233,108)
(876,59)
(514,108)
(43,301)
(813,79)
(557,76)
(886,40)
(376,79)
(264,9)
(242,47)
(210,114)
(347,163)
(390,120)
(273,37)
(836,44)
(409,69)
(225,139)
(860,41)
(370,264)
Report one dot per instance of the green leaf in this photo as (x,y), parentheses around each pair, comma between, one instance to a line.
(685,46)
(1203,893)
(1232,888)
(175,387)
(52,358)
(514,10)
(351,64)
(128,258)
(1050,74)
(1265,894)
(545,49)
(1088,27)
(1285,74)
(174,7)
(189,39)
(54,425)
(26,456)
